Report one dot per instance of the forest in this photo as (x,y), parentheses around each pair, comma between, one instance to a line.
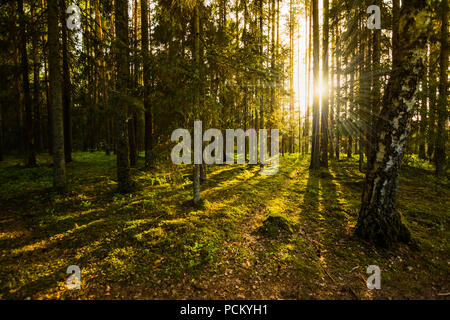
(348,99)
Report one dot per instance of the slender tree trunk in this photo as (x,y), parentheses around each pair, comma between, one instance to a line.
(30,153)
(350,110)
(442,111)
(423,124)
(196,169)
(395,29)
(36,85)
(261,80)
(338,94)
(101,75)
(132,139)
(431,134)
(47,89)
(300,145)
(66,89)
(362,87)
(246,81)
(90,134)
(326,90)
(122,82)
(291,77)
(48,102)
(59,166)
(2,121)
(378,221)
(132,123)
(332,95)
(376,86)
(2,128)
(272,64)
(19,140)
(423,119)
(315,152)
(308,71)
(148,139)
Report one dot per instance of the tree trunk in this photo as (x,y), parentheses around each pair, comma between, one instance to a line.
(325,93)
(66,90)
(315,152)
(431,134)
(338,94)
(47,92)
(441,134)
(376,87)
(196,169)
(19,140)
(300,146)
(291,77)
(2,128)
(2,120)
(36,85)
(423,118)
(332,96)
(308,71)
(261,80)
(30,153)
(378,221)
(122,82)
(132,139)
(132,123)
(59,166)
(350,109)
(101,74)
(148,139)
(362,89)
(203,172)
(272,65)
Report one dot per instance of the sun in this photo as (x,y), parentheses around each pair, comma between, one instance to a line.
(321,89)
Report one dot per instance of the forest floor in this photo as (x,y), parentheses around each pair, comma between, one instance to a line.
(153,244)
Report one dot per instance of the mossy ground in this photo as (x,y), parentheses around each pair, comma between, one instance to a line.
(154,244)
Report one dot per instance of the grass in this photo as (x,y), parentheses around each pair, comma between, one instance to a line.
(154,244)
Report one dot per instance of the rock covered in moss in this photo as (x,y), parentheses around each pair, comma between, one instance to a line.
(275,226)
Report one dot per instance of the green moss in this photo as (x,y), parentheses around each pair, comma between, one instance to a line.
(130,242)
(275,226)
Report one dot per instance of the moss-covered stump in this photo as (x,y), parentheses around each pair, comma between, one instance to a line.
(275,226)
